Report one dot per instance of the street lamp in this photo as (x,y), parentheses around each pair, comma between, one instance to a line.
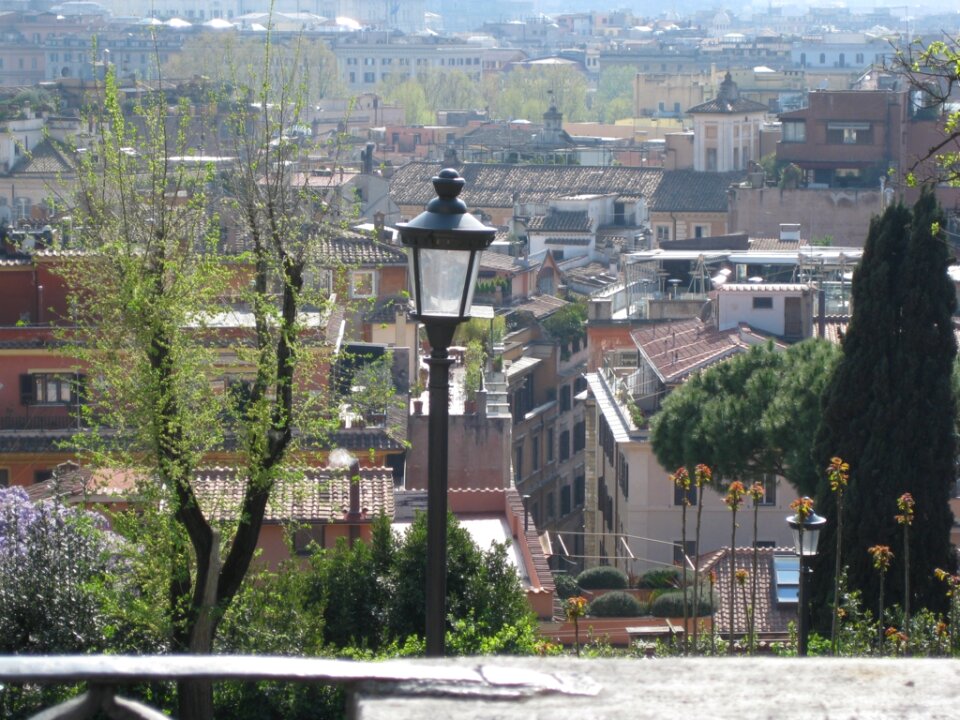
(444,244)
(806,526)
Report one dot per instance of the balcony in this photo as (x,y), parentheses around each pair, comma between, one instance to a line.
(52,418)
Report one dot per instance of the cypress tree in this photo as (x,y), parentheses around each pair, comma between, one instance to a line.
(889,411)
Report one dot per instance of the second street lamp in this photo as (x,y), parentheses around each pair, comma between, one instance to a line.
(806,526)
(444,244)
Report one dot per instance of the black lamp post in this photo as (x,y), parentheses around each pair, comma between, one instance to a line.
(806,534)
(444,245)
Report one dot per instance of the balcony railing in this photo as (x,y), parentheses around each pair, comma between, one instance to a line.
(105,676)
(523,688)
(39,421)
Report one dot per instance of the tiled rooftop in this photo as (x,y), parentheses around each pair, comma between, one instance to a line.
(502,262)
(354,249)
(540,305)
(561,221)
(771,617)
(676,349)
(494,185)
(46,158)
(691,191)
(322,495)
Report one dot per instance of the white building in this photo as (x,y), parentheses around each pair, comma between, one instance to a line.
(726,130)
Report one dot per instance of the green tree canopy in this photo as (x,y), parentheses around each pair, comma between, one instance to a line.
(527,93)
(752,415)
(613,99)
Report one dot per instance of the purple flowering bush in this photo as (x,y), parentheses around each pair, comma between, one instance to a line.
(55,562)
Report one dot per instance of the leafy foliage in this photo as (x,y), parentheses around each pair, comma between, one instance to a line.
(670,604)
(568,326)
(603,577)
(54,560)
(527,93)
(566,586)
(660,578)
(753,415)
(616,604)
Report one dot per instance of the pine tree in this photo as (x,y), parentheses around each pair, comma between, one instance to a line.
(889,410)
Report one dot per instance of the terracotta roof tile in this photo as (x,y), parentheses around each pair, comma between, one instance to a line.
(491,260)
(323,495)
(358,250)
(561,221)
(772,618)
(46,158)
(541,305)
(676,349)
(494,185)
(766,244)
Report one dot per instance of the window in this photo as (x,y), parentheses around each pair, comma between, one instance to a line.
(518,464)
(565,398)
(678,494)
(49,388)
(823,58)
(369,77)
(550,445)
(849,133)
(579,436)
(769,490)
(565,506)
(363,284)
(564,445)
(663,233)
(698,231)
(551,509)
(763,303)
(786,572)
(711,159)
(307,536)
(5,478)
(794,132)
(535,455)
(690,549)
(578,491)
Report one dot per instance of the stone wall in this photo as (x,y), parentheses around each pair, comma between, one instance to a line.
(843,214)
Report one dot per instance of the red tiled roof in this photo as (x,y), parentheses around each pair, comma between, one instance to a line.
(322,495)
(676,349)
(541,305)
(353,249)
(771,617)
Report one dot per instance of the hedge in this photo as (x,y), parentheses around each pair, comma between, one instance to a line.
(670,604)
(566,586)
(602,578)
(660,578)
(617,604)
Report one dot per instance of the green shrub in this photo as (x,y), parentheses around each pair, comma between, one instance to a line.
(617,604)
(660,578)
(566,586)
(602,578)
(670,604)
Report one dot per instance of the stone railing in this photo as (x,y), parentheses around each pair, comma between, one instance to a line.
(523,688)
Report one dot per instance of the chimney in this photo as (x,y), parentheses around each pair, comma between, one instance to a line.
(367,156)
(822,314)
(354,512)
(789,231)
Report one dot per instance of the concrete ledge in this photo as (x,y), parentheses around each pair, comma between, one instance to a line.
(735,688)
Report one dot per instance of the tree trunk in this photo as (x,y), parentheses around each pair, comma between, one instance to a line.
(195,697)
